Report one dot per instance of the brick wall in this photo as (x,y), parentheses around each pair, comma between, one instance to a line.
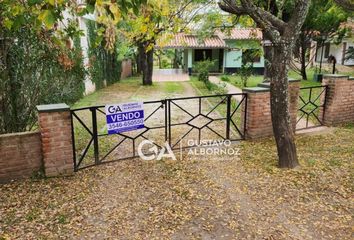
(258,119)
(339,106)
(55,126)
(21,155)
(126,68)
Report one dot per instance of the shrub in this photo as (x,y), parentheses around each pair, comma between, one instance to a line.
(202,68)
(246,71)
(34,70)
(209,85)
(225,78)
(105,66)
(165,64)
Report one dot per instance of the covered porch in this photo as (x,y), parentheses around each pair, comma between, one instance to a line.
(194,50)
(192,56)
(227,51)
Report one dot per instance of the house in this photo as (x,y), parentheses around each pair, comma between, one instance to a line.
(338,51)
(226,49)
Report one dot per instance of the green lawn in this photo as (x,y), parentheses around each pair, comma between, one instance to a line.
(130,89)
(254,80)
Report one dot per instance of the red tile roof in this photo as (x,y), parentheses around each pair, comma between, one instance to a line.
(186,40)
(241,34)
(182,40)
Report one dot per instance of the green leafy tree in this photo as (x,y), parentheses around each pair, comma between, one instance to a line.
(322,24)
(144,27)
(248,59)
(282,29)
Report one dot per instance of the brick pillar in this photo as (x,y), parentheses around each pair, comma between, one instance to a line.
(55,126)
(258,119)
(339,104)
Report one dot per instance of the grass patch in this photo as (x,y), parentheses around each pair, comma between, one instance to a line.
(172,87)
(253,81)
(101,96)
(130,89)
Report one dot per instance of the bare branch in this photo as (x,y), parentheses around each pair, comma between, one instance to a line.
(263,15)
(270,24)
(231,6)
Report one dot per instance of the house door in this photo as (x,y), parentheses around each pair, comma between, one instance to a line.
(202,54)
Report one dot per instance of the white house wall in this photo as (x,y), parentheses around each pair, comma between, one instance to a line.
(89,85)
(336,51)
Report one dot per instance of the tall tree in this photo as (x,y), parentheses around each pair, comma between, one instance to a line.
(322,24)
(282,30)
(145,26)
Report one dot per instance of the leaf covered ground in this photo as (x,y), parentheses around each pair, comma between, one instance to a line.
(195,197)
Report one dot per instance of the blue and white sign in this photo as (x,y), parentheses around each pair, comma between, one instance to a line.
(124,117)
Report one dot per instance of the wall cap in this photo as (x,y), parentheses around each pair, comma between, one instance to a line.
(264,85)
(267,84)
(60,107)
(335,76)
(292,80)
(18,134)
(255,89)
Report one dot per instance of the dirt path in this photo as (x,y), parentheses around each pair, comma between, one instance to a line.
(197,197)
(170,75)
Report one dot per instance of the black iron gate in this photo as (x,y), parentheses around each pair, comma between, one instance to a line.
(175,120)
(311,108)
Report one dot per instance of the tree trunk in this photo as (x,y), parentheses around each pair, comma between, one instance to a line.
(146,63)
(303,63)
(267,55)
(175,60)
(159,59)
(150,67)
(282,126)
(139,60)
(303,49)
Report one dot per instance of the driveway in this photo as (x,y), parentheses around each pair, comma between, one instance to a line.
(169,75)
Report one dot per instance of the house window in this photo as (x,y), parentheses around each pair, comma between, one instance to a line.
(251,56)
(202,54)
